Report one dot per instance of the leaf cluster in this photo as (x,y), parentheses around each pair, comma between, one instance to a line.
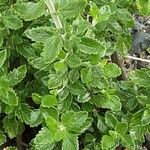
(64,81)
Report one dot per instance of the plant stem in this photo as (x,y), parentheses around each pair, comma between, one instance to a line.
(53,13)
(138,59)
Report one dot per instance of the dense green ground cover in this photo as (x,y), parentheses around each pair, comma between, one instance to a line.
(59,85)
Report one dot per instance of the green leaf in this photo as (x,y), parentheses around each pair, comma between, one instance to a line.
(36,98)
(35,118)
(60,67)
(115,27)
(107,142)
(17,75)
(112,70)
(26,50)
(11,21)
(143,99)
(73,61)
(123,44)
(73,75)
(84,98)
(38,63)
(105,13)
(54,81)
(52,48)
(138,132)
(44,140)
(57,128)
(112,102)
(63,94)
(66,105)
(1,37)
(76,122)
(125,17)
(49,101)
(3,57)
(39,34)
(53,112)
(81,25)
(29,11)
(52,123)
(143,6)
(87,107)
(127,141)
(146,117)
(70,143)
(141,77)
(110,119)
(11,126)
(86,75)
(91,46)
(94,10)
(101,124)
(9,109)
(68,7)
(12,98)
(136,118)
(89,137)
(77,89)
(2,138)
(121,127)
(4,87)
(23,112)
(97,83)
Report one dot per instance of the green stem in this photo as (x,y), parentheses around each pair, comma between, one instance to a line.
(53,13)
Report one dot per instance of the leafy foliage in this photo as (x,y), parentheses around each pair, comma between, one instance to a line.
(144,6)
(63,81)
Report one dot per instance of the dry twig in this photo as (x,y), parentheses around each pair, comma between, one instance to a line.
(138,59)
